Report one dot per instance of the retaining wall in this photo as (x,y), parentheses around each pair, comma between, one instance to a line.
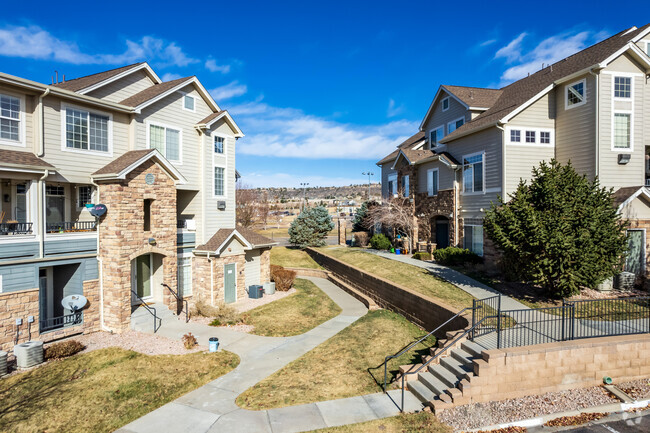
(419,309)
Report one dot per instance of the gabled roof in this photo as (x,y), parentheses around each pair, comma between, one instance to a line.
(623,196)
(211,119)
(22,160)
(521,93)
(474,98)
(222,237)
(153,91)
(120,167)
(408,143)
(91,82)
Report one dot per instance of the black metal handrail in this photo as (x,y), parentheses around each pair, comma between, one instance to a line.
(178,298)
(412,345)
(75,318)
(16,228)
(152,310)
(70,226)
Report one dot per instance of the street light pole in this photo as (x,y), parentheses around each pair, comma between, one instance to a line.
(303,185)
(369,173)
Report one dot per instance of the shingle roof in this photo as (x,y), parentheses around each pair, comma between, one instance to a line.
(152,91)
(474,96)
(521,91)
(222,235)
(89,80)
(211,116)
(22,159)
(622,194)
(403,145)
(119,164)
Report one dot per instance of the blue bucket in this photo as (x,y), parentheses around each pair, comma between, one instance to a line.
(213,344)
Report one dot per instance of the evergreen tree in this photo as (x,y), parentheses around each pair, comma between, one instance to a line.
(561,231)
(311,227)
(360,218)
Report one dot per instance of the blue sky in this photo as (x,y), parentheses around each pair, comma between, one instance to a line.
(322,90)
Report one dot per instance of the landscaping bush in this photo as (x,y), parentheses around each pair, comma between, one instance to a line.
(189,341)
(283,278)
(380,242)
(222,313)
(422,256)
(311,227)
(63,349)
(202,308)
(454,256)
(361,239)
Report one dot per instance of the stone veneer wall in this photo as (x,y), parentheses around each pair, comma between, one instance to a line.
(265,266)
(24,303)
(442,204)
(533,370)
(203,277)
(122,237)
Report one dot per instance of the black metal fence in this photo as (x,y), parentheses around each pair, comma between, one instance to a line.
(70,226)
(574,319)
(61,321)
(16,228)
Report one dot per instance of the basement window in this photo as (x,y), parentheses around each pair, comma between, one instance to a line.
(147,214)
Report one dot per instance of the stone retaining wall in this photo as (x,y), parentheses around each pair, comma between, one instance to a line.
(418,308)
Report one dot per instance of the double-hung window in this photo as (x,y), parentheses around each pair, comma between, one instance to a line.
(392,185)
(454,125)
(85,130)
(473,238)
(185,276)
(622,131)
(576,94)
(167,140)
(623,87)
(218,144)
(10,119)
(84,195)
(473,173)
(432,182)
(435,135)
(219,178)
(405,185)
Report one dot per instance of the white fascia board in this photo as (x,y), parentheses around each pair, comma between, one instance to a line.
(527,104)
(121,75)
(631,46)
(643,190)
(32,169)
(239,237)
(238,132)
(435,98)
(397,159)
(199,87)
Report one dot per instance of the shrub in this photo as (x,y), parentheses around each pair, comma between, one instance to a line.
(221,313)
(189,341)
(380,242)
(361,239)
(63,349)
(311,227)
(422,256)
(454,256)
(202,308)
(283,278)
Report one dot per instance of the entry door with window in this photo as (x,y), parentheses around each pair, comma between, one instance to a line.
(230,282)
(635,260)
(142,277)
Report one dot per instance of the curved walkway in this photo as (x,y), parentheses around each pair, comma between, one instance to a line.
(212,407)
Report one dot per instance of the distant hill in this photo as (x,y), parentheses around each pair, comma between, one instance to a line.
(351,192)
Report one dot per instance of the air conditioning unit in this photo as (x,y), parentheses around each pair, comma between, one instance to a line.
(28,354)
(3,363)
(221,205)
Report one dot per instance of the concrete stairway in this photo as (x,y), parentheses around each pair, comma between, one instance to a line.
(437,385)
(142,319)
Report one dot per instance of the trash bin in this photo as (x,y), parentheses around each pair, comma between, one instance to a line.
(213,344)
(255,291)
(269,288)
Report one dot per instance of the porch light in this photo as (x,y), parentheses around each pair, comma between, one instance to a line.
(152,241)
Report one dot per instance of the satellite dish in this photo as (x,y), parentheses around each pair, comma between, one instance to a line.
(98,210)
(74,302)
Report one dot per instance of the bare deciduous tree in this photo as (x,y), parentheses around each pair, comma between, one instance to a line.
(252,206)
(397,214)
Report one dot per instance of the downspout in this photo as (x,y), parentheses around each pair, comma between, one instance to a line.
(597,164)
(202,238)
(503,161)
(41,114)
(211,280)
(40,210)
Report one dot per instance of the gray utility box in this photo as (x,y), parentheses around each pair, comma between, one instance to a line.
(269,288)
(28,354)
(255,291)
(3,363)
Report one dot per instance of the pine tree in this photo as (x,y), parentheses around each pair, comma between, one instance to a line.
(311,227)
(561,231)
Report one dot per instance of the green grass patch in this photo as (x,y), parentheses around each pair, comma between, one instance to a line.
(291,257)
(406,423)
(295,314)
(346,365)
(415,278)
(103,390)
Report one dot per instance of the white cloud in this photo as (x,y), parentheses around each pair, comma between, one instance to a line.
(170,76)
(34,42)
(393,110)
(548,51)
(293,180)
(289,132)
(228,91)
(211,65)
(488,42)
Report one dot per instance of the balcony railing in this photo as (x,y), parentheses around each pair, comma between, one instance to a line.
(16,228)
(70,226)
(75,318)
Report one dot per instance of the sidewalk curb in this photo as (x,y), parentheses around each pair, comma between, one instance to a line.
(539,421)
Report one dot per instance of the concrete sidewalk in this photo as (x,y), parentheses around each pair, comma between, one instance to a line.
(212,407)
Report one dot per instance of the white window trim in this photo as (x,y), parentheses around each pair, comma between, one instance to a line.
(523,130)
(435,129)
(566,94)
(64,141)
(442,103)
(407,193)
(77,189)
(621,149)
(187,255)
(148,124)
(22,142)
(430,176)
(623,75)
(225,140)
(483,240)
(183,102)
(482,153)
(392,178)
(225,180)
(454,122)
